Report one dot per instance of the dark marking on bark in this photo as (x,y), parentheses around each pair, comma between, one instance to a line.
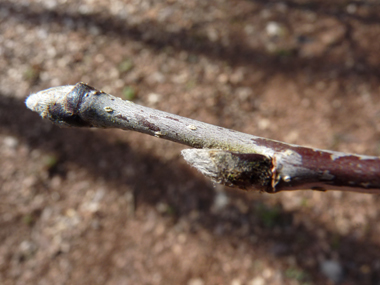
(147,124)
(121,117)
(174,119)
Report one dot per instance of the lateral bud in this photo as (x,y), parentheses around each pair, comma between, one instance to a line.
(240,170)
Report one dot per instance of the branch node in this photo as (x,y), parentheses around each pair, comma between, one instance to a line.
(241,170)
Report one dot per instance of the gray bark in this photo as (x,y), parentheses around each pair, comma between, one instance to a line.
(226,156)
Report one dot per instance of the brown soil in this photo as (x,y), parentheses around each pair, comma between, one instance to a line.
(85,206)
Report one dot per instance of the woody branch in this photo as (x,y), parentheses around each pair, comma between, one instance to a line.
(226,156)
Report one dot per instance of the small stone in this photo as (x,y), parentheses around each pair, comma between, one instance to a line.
(154,98)
(162,207)
(351,8)
(10,142)
(244,93)
(268,273)
(221,200)
(274,29)
(263,124)
(332,270)
(249,29)
(157,77)
(99,194)
(90,207)
(159,230)
(56,182)
(27,247)
(223,78)
(99,58)
(237,76)
(182,238)
(71,213)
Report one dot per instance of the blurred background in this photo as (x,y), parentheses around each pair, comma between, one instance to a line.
(80,206)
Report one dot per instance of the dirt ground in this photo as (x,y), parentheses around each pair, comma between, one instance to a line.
(81,206)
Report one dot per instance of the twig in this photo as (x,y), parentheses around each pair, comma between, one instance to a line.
(226,156)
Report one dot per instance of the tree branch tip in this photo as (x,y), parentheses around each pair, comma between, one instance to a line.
(40,101)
